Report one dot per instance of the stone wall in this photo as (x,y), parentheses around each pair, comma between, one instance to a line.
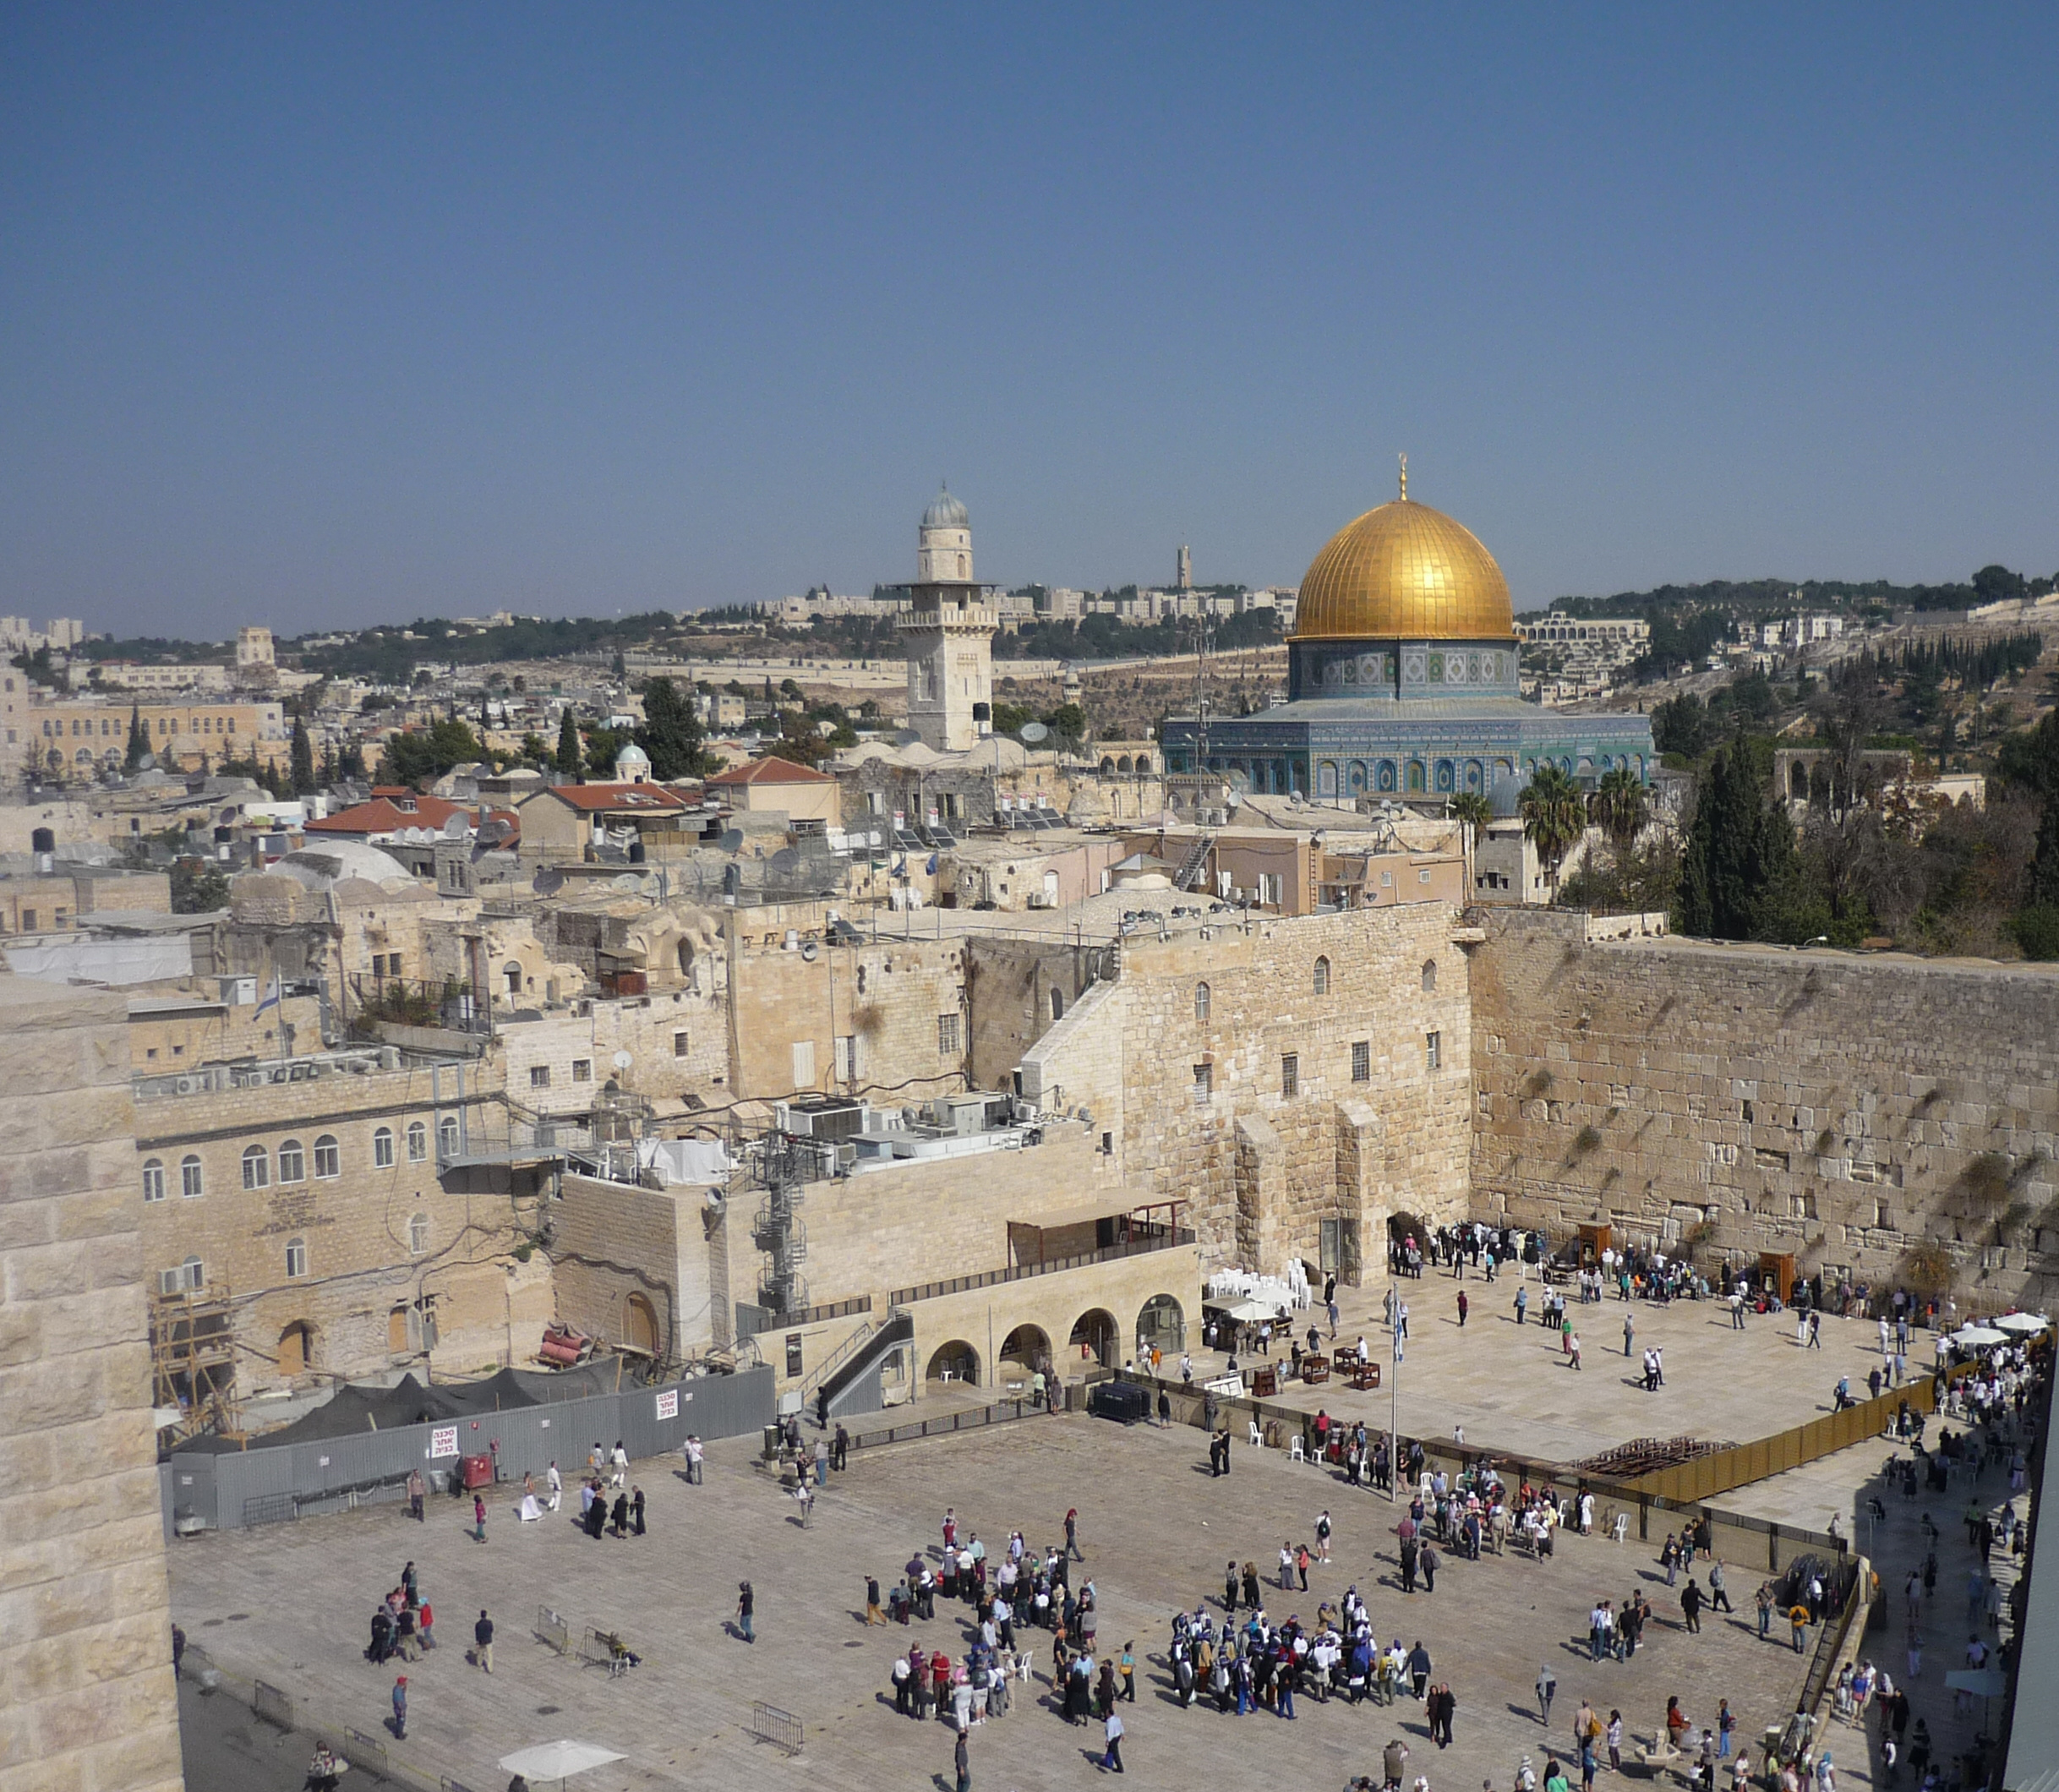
(362,1256)
(86,1638)
(1741,1098)
(613,1244)
(890,995)
(1359,1135)
(1010,982)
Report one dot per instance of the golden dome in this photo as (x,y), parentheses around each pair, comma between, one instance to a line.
(1404,570)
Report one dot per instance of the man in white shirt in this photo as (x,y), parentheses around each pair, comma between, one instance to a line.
(557,1485)
(618,1462)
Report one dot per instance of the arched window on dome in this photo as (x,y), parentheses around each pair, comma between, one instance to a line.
(1326,777)
(1386,774)
(1447,775)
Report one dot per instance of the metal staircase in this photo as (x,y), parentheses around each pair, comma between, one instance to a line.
(1193,868)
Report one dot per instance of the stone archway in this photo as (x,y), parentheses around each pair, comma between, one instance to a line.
(1093,1337)
(1024,1352)
(295,1349)
(640,1325)
(954,1362)
(1161,1324)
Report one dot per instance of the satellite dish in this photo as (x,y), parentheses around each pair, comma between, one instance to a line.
(785,862)
(1034,731)
(732,840)
(623,1061)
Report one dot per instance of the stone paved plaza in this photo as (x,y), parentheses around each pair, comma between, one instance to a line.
(1511,1388)
(1156,1529)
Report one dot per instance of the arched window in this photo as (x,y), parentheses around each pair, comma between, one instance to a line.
(382,1148)
(398,1328)
(1201,1001)
(295,1259)
(153,1179)
(192,1273)
(1429,976)
(1322,976)
(328,1160)
(512,972)
(418,1234)
(293,1161)
(417,1142)
(192,1179)
(256,1167)
(1057,1003)
(446,1136)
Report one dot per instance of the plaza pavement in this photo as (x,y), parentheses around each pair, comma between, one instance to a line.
(290,1604)
(1511,1389)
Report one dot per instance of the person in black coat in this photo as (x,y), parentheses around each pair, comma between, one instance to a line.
(620,1525)
(597,1517)
(635,1507)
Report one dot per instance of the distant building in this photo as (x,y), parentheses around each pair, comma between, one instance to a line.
(1183,577)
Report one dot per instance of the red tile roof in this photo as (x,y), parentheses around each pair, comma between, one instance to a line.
(770,772)
(384,814)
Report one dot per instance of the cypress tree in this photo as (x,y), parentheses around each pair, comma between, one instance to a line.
(139,741)
(568,764)
(303,758)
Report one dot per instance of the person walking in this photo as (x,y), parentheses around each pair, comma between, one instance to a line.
(556,1483)
(1461,1309)
(746,1604)
(1630,1334)
(1522,1304)
(873,1614)
(1719,1592)
(400,1709)
(1322,1536)
(1072,1551)
(1112,1731)
(1547,1686)
(961,1763)
(416,1490)
(478,1518)
(1690,1605)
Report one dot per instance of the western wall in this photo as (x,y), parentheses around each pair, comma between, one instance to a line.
(1887,1117)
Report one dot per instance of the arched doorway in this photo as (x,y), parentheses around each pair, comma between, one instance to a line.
(1094,1335)
(957,1361)
(396,1332)
(640,1325)
(1161,1326)
(1024,1352)
(295,1349)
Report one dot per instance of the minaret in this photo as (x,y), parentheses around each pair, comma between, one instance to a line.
(946,634)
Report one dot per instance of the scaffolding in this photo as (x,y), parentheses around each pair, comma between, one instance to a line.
(193,1362)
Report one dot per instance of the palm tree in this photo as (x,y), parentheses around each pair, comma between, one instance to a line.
(1473,811)
(1554,814)
(1621,804)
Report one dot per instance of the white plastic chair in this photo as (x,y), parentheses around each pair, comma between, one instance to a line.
(1295,1452)
(1620,1528)
(1258,1441)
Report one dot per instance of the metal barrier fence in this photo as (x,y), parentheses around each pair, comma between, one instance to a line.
(1755,1543)
(552,1630)
(782,1729)
(222,1491)
(361,1750)
(1025,1271)
(272,1705)
(1851,1585)
(968,1418)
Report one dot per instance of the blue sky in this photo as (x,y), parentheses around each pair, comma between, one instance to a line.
(324,315)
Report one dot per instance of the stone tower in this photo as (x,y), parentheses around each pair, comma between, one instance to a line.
(947,632)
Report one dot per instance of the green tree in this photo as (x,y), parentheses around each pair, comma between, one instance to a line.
(569,761)
(1741,878)
(303,759)
(197,887)
(671,733)
(1621,804)
(1473,812)
(603,744)
(1680,725)
(139,740)
(350,763)
(533,751)
(1068,721)
(421,757)
(1554,814)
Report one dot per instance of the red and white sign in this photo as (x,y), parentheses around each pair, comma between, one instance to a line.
(443,1442)
(669,1403)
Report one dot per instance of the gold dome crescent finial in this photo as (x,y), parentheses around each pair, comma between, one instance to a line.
(1404,478)
(1404,570)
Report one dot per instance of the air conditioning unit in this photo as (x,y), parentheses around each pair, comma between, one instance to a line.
(170,1282)
(1038,900)
(186,1085)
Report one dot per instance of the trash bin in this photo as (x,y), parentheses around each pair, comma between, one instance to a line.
(478,1470)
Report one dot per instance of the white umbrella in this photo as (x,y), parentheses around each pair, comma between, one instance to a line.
(1979,1335)
(2024,1322)
(1250,1311)
(557,1761)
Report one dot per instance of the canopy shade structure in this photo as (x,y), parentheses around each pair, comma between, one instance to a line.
(1979,1336)
(1244,1311)
(558,1760)
(2022,1322)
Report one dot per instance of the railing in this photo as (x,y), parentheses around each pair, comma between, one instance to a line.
(1850,1585)
(830,1363)
(552,1631)
(1022,1272)
(840,1309)
(782,1729)
(1742,1464)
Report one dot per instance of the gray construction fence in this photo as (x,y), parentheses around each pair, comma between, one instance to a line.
(228,1490)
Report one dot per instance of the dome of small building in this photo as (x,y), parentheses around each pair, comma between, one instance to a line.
(632,765)
(945,512)
(1404,570)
